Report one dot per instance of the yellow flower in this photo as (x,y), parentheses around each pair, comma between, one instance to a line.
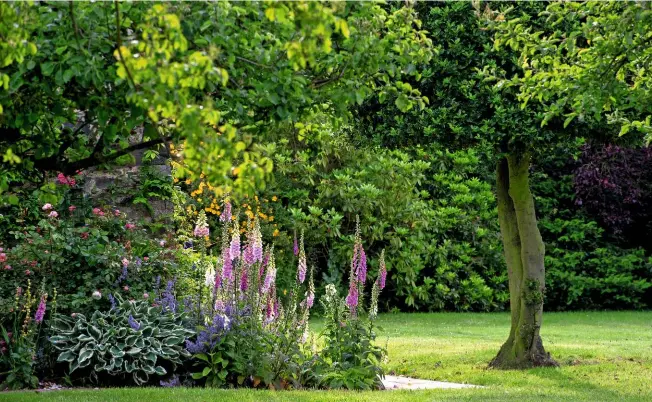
(198,199)
(274,198)
(176,180)
(285,292)
(188,181)
(271,219)
(276,233)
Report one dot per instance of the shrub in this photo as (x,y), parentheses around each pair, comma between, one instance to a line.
(80,251)
(131,341)
(350,359)
(614,184)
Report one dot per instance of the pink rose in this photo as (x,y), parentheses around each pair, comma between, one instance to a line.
(47,207)
(125,262)
(126,288)
(146,258)
(130,226)
(8,268)
(72,208)
(3,257)
(145,295)
(53,214)
(28,272)
(98,211)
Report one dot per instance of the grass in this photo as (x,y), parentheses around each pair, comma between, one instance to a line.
(605,356)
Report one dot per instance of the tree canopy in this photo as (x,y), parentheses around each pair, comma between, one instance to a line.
(590,63)
(82,81)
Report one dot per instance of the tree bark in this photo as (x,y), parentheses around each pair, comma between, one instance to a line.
(524,252)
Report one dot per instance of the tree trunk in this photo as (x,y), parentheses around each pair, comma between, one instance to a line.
(524,251)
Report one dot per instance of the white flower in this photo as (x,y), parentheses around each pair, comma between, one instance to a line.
(210,276)
(97,295)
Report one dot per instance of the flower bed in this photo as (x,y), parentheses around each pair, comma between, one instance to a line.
(97,299)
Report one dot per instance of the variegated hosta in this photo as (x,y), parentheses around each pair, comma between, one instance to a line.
(132,338)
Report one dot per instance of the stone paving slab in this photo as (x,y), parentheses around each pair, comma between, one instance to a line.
(395,382)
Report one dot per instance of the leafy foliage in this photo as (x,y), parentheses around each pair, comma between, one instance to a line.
(173,72)
(614,184)
(591,61)
(82,250)
(133,340)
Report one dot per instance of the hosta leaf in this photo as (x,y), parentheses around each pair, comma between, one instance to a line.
(94,332)
(160,370)
(57,339)
(73,366)
(133,351)
(140,377)
(151,357)
(85,354)
(66,356)
(148,369)
(173,340)
(140,343)
(85,338)
(147,332)
(116,352)
(131,340)
(85,363)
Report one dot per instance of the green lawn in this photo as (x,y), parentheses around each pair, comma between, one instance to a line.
(604,357)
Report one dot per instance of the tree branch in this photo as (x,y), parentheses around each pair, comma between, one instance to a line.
(320,83)
(74,24)
(119,42)
(54,164)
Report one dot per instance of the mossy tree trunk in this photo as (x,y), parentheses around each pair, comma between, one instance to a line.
(524,252)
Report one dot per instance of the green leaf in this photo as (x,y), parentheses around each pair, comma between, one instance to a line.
(66,356)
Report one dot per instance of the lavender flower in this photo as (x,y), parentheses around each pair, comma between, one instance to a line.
(168,301)
(352,297)
(362,266)
(112,300)
(226,215)
(172,382)
(133,323)
(270,278)
(301,272)
(234,249)
(382,274)
(296,245)
(257,239)
(218,279)
(248,255)
(40,311)
(208,337)
(310,299)
(244,281)
(201,228)
(227,267)
(123,275)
